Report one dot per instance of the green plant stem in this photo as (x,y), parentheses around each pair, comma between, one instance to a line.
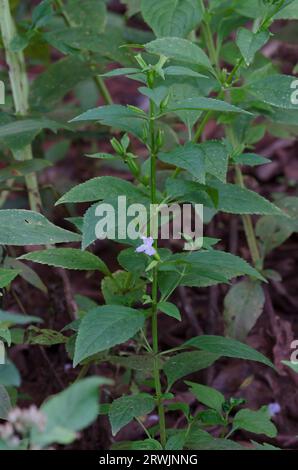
(248,225)
(154,325)
(99,82)
(20,91)
(246,219)
(211,46)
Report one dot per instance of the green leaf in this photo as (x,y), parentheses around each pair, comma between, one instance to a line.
(289,12)
(147,444)
(208,396)
(125,409)
(189,157)
(121,71)
(123,289)
(249,43)
(42,13)
(176,70)
(216,159)
(226,264)
(227,347)
(201,440)
(69,412)
(26,273)
(104,327)
(139,362)
(45,336)
(9,375)
(169,309)
(7,276)
(58,79)
(92,16)
(275,90)
(251,159)
(243,304)
(118,116)
(257,422)
(22,227)
(292,365)
(132,261)
(187,363)
(100,188)
(172,17)
(181,50)
(205,104)
(17,134)
(17,319)
(236,200)
(68,258)
(176,441)
(5,404)
(20,169)
(157,94)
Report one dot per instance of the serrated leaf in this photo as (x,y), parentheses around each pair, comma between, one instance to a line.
(189,157)
(275,90)
(257,422)
(118,116)
(22,227)
(249,43)
(68,258)
(243,305)
(179,49)
(187,363)
(172,17)
(205,104)
(207,395)
(236,200)
(226,264)
(227,347)
(69,412)
(125,409)
(100,188)
(104,327)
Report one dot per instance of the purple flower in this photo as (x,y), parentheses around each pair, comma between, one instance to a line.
(147,247)
(274,409)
